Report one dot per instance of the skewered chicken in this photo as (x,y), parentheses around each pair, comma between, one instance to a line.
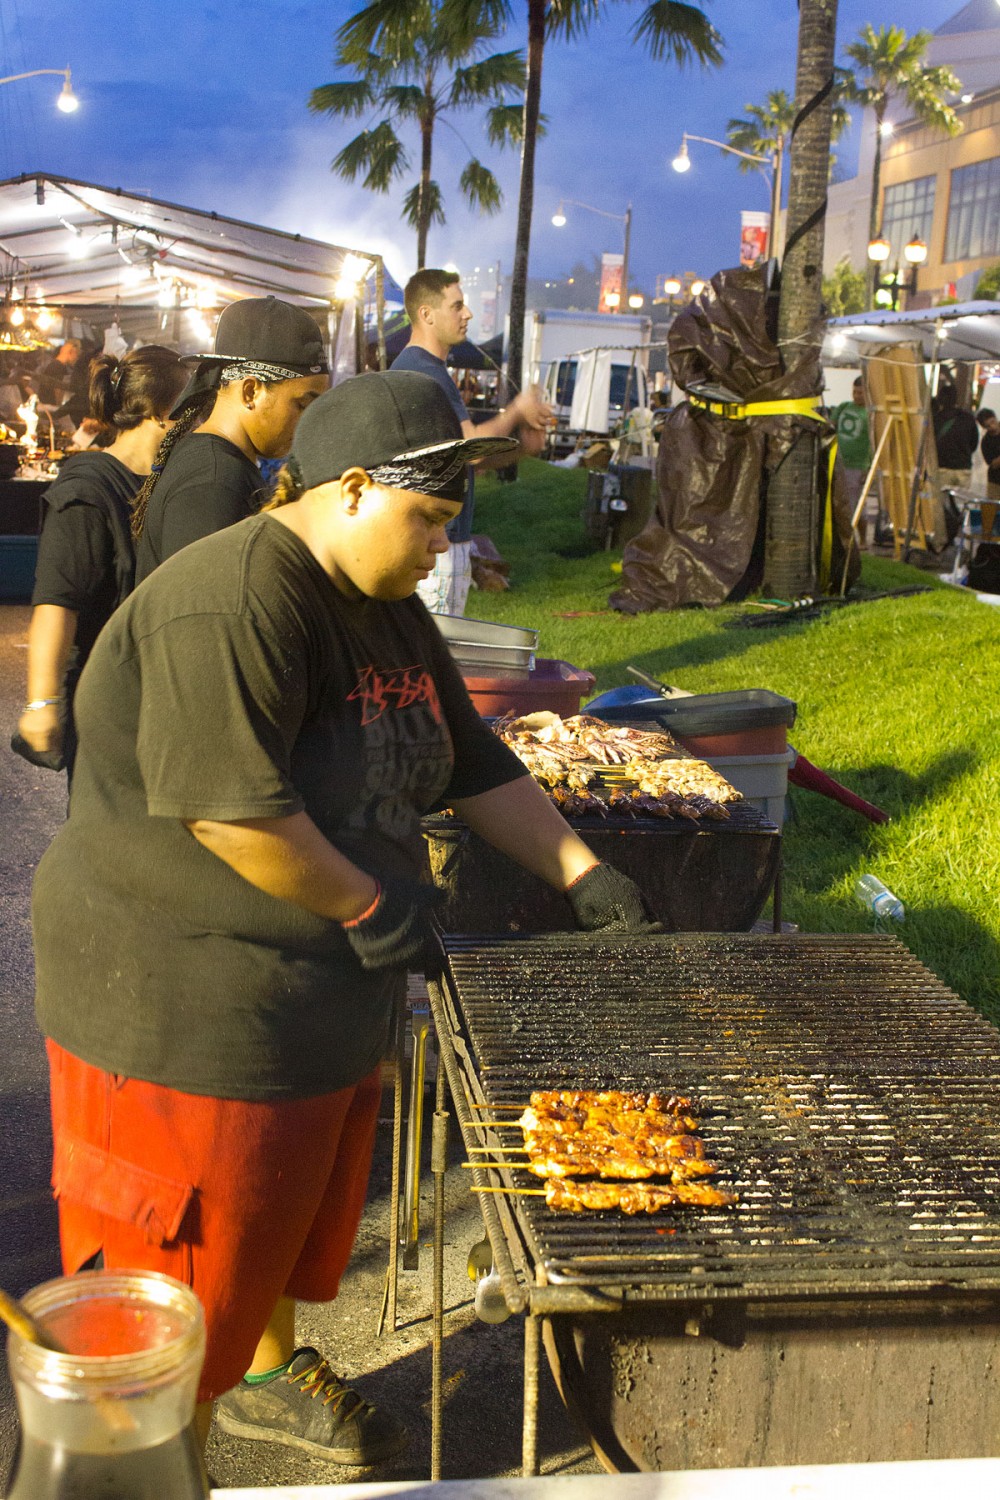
(549,1160)
(632,1198)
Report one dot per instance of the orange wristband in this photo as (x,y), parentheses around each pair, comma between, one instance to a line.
(356,921)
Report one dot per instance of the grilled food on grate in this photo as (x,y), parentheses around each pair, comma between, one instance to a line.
(632,1197)
(611,1134)
(648,775)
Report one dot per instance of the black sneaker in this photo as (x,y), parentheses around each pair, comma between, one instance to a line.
(310,1407)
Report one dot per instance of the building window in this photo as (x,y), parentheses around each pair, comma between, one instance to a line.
(908,211)
(974,212)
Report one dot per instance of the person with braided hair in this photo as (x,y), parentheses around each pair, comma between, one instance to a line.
(86,560)
(242,403)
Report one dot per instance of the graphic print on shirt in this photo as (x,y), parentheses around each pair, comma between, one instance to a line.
(407,754)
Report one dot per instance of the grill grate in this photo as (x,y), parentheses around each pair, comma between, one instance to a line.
(850,1099)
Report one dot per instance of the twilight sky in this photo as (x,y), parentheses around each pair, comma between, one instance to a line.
(203,102)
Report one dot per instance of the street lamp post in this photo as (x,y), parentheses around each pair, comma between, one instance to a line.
(67,100)
(772,168)
(914,253)
(559,219)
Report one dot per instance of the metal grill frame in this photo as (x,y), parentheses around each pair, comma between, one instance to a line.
(535,1280)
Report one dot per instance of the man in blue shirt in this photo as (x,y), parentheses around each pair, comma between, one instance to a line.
(439,319)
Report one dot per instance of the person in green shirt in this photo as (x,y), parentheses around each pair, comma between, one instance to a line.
(854,446)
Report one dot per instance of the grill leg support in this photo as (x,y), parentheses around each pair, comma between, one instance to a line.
(529,1431)
(439,1165)
(392,1274)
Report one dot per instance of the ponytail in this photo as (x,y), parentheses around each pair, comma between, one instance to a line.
(288,486)
(195,413)
(124,393)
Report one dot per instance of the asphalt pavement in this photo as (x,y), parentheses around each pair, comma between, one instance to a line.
(482,1363)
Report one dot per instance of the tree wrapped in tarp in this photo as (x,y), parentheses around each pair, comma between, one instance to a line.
(705,543)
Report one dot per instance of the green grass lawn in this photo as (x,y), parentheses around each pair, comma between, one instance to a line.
(897,698)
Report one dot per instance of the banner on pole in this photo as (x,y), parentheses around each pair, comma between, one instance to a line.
(612,267)
(753,238)
(487,315)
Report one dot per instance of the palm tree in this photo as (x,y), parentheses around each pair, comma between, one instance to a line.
(417,75)
(790,544)
(667,28)
(765,135)
(889,64)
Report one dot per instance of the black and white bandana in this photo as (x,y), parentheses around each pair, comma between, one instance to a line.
(254,369)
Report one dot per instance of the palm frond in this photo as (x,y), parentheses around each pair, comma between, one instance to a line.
(681,33)
(489,78)
(378,153)
(569,19)
(405,99)
(505,125)
(434,205)
(465,21)
(385,27)
(353,97)
(481,188)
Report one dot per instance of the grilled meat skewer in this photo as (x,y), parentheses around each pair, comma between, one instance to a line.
(632,1198)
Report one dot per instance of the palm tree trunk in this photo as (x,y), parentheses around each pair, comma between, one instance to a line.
(424,202)
(874,217)
(525,202)
(790,559)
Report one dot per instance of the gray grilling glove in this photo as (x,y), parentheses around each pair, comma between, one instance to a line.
(398,928)
(605,900)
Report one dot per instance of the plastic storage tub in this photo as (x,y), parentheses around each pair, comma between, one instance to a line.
(763,779)
(747,722)
(18,557)
(553,685)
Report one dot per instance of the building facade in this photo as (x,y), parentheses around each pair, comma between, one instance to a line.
(944,190)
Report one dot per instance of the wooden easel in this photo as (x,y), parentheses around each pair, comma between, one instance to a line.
(897,396)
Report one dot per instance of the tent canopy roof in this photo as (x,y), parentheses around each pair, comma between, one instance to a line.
(963,330)
(133,244)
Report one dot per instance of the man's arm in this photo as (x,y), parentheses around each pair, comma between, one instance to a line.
(519,820)
(526,418)
(289,858)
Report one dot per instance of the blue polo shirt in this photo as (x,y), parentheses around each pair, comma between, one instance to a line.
(413,357)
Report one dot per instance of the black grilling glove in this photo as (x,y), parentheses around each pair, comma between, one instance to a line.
(605,900)
(49,760)
(398,928)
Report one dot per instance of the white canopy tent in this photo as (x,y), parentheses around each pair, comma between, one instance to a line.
(76,248)
(967,332)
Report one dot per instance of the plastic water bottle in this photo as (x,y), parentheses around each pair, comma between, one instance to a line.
(879,899)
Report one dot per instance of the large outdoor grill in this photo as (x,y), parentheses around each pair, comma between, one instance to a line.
(847,1309)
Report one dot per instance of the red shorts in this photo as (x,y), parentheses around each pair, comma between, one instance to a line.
(244,1202)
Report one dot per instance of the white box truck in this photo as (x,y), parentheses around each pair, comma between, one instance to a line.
(555,341)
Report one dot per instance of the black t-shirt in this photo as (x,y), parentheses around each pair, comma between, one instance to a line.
(207,483)
(86,560)
(990,449)
(956,434)
(240,683)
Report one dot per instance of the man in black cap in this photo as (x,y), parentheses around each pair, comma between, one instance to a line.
(262,727)
(269,365)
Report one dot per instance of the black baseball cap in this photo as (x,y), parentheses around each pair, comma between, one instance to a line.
(396,424)
(265,330)
(265,335)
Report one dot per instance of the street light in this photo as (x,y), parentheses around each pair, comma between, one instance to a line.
(559,219)
(635,301)
(770,168)
(914,253)
(67,100)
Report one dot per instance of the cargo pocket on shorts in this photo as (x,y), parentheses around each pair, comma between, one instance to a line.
(105,1184)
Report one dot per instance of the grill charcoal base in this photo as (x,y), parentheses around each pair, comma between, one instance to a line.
(702,877)
(869,1384)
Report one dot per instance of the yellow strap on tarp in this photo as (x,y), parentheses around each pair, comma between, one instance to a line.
(800,406)
(826,546)
(737,411)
